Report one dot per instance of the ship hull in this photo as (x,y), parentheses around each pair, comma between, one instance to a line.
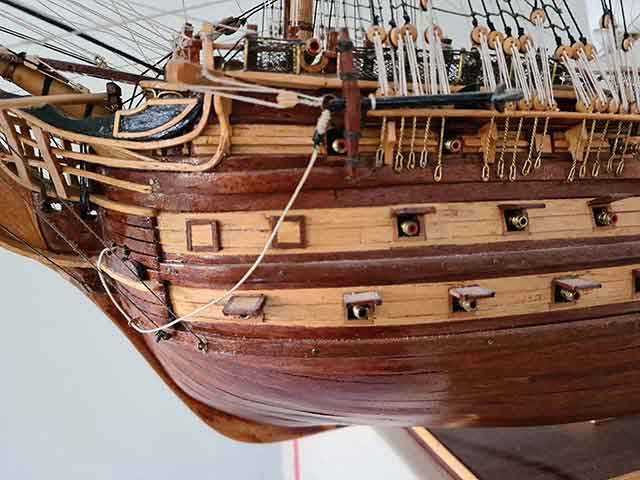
(195,210)
(549,369)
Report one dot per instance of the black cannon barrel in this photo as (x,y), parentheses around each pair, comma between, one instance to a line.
(498,99)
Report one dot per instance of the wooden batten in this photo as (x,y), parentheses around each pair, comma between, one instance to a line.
(488,142)
(17,153)
(54,168)
(206,36)
(62,99)
(449,461)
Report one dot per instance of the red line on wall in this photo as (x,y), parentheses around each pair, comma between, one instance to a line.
(296,460)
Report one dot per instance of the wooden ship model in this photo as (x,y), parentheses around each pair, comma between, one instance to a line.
(340,218)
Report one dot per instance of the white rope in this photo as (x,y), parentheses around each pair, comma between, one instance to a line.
(64,44)
(581,94)
(107,26)
(81,7)
(433,71)
(394,70)
(541,47)
(588,86)
(502,66)
(413,64)
(606,78)
(488,73)
(538,82)
(250,87)
(614,65)
(154,26)
(383,81)
(321,128)
(588,69)
(521,77)
(445,88)
(426,68)
(402,73)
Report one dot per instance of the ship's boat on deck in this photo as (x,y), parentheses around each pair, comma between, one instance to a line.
(343,228)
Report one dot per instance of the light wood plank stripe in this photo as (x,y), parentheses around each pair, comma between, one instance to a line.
(414,304)
(372,228)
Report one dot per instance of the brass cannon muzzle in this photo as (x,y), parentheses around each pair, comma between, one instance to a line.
(468,305)
(570,295)
(453,145)
(410,228)
(360,312)
(519,222)
(339,145)
(605,218)
(313,46)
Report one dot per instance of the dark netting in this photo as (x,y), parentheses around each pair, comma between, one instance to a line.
(464,66)
(271,55)
(364,62)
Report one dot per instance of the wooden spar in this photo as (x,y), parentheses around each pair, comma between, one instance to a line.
(46,84)
(89,70)
(63,99)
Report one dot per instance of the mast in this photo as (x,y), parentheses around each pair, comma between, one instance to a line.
(301,19)
(38,79)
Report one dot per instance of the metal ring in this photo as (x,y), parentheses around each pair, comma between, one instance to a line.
(486,172)
(397,166)
(411,162)
(424,158)
(583,170)
(437,174)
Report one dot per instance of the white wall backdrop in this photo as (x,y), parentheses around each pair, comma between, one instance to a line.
(77,402)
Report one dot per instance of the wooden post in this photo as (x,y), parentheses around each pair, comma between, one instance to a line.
(353,110)
(54,168)
(14,144)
